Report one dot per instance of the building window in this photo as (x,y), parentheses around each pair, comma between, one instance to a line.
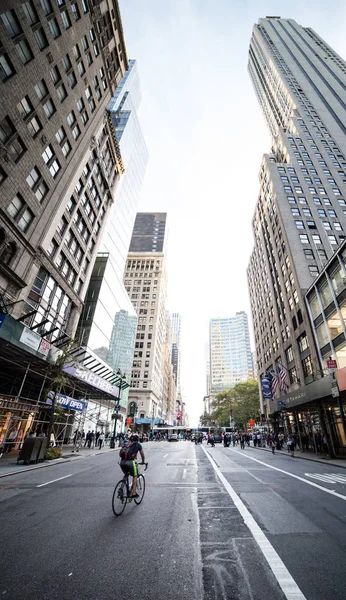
(289,354)
(37,184)
(47,7)
(303,342)
(51,161)
(54,28)
(40,38)
(11,23)
(293,375)
(20,213)
(65,19)
(15,206)
(308,253)
(299,224)
(16,149)
(313,270)
(72,79)
(61,91)
(337,226)
(34,126)
(304,238)
(55,74)
(66,62)
(332,240)
(316,238)
(307,366)
(24,52)
(30,12)
(6,68)
(49,108)
(41,89)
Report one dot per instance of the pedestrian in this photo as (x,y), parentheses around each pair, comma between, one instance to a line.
(254,439)
(100,440)
(91,438)
(259,439)
(242,441)
(10,441)
(290,444)
(87,437)
(97,437)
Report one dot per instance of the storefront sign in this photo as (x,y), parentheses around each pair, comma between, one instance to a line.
(30,338)
(91,378)
(68,402)
(308,393)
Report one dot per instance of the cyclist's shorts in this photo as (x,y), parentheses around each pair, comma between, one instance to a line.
(129,467)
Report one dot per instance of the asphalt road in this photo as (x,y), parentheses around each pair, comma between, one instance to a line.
(269,524)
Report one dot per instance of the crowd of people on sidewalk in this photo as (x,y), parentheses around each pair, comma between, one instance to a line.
(272,440)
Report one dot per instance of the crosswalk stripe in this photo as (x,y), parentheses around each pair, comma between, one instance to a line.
(328,477)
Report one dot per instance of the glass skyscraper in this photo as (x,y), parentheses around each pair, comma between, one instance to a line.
(230,352)
(108,323)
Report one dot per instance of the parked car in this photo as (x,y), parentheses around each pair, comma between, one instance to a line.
(217,438)
(173,437)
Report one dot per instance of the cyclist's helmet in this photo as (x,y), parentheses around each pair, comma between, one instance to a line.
(134,438)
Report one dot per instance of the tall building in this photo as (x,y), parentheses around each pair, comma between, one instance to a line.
(176,349)
(299,218)
(145,280)
(60,65)
(230,352)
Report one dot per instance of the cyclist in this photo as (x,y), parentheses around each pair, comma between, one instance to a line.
(128,462)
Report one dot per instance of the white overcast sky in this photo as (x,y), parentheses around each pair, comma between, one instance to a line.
(206,135)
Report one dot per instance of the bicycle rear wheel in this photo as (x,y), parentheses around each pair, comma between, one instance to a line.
(119,498)
(140,489)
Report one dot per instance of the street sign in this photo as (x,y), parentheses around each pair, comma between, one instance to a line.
(335,389)
(332,366)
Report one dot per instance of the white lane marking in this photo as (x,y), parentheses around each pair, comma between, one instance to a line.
(184,473)
(165,455)
(280,571)
(328,477)
(320,487)
(53,480)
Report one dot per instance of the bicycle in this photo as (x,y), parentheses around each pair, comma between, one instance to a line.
(123,492)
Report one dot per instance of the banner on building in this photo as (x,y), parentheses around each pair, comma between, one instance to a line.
(68,402)
(266,388)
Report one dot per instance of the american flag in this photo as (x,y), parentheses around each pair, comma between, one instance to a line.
(283,380)
(274,383)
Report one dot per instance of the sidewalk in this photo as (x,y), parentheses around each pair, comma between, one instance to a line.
(8,462)
(310,456)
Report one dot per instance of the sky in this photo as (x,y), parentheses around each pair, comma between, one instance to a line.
(206,136)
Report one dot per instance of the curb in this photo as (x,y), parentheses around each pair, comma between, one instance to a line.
(316,460)
(52,463)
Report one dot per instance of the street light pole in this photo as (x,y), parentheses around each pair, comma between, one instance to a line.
(115,415)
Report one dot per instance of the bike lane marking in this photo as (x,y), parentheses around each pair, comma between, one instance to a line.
(53,480)
(280,571)
(316,485)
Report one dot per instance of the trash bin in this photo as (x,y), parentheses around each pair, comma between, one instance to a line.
(30,450)
(43,448)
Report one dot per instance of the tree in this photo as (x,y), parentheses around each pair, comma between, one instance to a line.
(59,379)
(206,419)
(242,399)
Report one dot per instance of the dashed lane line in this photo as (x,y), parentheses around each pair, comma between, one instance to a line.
(53,481)
(280,571)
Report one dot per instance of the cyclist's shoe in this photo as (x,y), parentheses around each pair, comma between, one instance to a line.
(135,496)
(120,494)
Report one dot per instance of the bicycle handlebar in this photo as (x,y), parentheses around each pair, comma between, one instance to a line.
(146,465)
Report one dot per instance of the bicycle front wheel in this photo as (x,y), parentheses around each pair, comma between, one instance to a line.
(119,498)
(140,489)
